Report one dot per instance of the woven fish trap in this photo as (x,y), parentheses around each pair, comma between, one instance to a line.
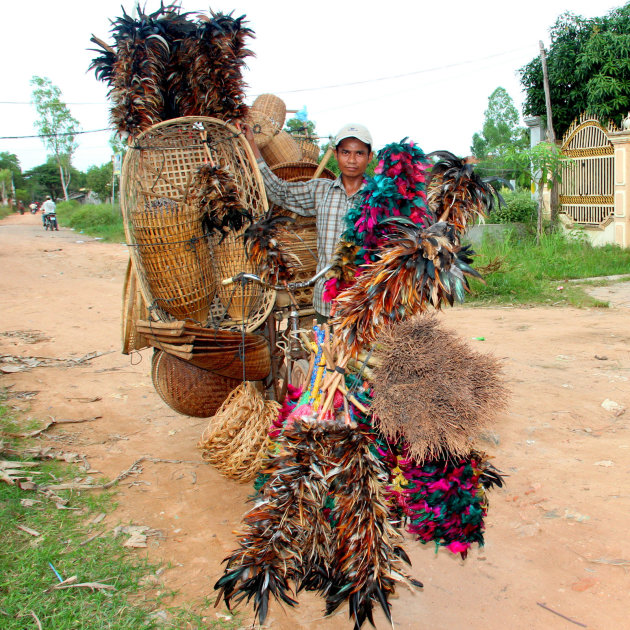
(272,106)
(309,147)
(263,127)
(170,250)
(188,389)
(281,148)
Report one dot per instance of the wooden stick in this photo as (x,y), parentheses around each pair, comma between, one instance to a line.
(325,159)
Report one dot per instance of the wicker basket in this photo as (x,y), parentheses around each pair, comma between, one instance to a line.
(272,107)
(168,249)
(263,128)
(309,147)
(133,309)
(282,148)
(188,389)
(300,171)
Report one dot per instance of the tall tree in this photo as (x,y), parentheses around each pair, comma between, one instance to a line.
(589,69)
(11,162)
(57,127)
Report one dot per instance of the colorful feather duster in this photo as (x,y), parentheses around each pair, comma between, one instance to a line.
(417,267)
(456,193)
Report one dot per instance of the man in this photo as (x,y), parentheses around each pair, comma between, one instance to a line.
(327,200)
(48,207)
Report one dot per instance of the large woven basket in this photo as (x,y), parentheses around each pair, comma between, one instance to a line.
(263,128)
(309,147)
(282,148)
(272,107)
(300,171)
(178,267)
(188,389)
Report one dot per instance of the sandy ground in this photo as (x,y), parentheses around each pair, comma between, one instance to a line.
(557,534)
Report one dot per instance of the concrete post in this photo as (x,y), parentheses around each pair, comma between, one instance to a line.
(621,219)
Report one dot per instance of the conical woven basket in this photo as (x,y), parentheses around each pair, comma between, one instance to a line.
(272,107)
(309,148)
(263,128)
(281,148)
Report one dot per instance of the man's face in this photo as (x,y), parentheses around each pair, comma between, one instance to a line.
(353,157)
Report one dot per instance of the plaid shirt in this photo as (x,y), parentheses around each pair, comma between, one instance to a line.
(321,198)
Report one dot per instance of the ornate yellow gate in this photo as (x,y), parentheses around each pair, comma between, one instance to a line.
(587,187)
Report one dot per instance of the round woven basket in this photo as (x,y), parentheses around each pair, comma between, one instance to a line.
(178,268)
(188,389)
(300,171)
(282,148)
(263,128)
(272,107)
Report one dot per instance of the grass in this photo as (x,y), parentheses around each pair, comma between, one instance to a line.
(102,220)
(26,575)
(5,211)
(533,274)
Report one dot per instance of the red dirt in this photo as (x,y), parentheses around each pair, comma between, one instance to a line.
(556,534)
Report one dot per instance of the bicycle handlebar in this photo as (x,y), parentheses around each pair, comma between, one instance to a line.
(289,286)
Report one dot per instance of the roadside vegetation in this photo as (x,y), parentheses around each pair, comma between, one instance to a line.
(101,220)
(45,542)
(516,270)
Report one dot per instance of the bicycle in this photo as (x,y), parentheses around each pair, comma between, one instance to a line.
(286,341)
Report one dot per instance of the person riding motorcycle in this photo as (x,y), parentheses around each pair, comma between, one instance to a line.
(49,208)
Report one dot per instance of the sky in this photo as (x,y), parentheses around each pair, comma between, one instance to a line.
(405,69)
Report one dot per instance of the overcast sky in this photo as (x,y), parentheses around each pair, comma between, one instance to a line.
(407,68)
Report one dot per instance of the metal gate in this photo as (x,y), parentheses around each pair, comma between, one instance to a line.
(587,187)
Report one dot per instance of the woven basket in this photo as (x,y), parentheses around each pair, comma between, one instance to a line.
(300,171)
(188,389)
(282,148)
(263,128)
(272,107)
(158,169)
(309,147)
(133,309)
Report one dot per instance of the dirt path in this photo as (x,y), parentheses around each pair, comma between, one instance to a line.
(556,535)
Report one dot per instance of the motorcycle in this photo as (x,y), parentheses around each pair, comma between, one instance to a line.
(50,222)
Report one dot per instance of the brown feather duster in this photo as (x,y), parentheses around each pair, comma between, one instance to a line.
(433,390)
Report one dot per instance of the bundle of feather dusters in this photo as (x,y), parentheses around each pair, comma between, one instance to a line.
(167,64)
(292,542)
(216,194)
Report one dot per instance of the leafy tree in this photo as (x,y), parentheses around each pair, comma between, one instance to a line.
(56,126)
(5,185)
(99,179)
(44,180)
(298,127)
(589,69)
(501,134)
(11,162)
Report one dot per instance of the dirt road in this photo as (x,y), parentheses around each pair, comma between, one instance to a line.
(556,552)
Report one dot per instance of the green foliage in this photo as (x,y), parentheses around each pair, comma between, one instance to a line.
(11,162)
(56,126)
(589,69)
(44,180)
(102,220)
(99,179)
(519,207)
(532,273)
(297,127)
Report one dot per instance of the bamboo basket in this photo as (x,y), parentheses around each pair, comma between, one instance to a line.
(309,148)
(133,309)
(282,148)
(188,389)
(178,268)
(263,128)
(272,107)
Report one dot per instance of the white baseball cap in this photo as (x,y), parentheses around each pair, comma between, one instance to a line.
(354,130)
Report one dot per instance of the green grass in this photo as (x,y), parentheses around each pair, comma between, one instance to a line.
(26,576)
(532,274)
(102,220)
(5,211)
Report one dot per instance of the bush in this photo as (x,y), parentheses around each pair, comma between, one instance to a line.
(102,220)
(519,208)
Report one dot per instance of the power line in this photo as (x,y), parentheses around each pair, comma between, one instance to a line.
(53,135)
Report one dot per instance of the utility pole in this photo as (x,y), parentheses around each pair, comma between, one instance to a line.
(551,136)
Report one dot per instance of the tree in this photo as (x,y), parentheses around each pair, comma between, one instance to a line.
(44,180)
(99,179)
(11,162)
(589,69)
(500,135)
(56,126)
(298,127)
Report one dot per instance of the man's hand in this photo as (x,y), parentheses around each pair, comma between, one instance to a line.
(246,130)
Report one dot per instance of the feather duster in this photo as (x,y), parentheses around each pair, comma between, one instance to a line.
(266,253)
(456,193)
(218,199)
(432,390)
(417,267)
